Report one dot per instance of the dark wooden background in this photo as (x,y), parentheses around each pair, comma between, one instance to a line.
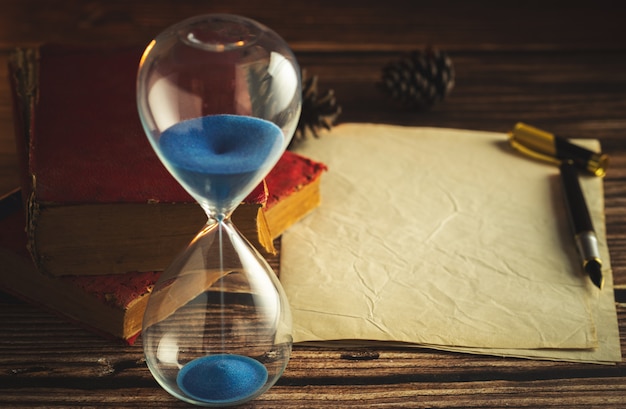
(557,65)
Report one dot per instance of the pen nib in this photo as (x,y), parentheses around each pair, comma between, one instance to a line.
(594,270)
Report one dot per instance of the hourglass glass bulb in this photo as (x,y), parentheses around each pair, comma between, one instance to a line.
(219,97)
(217,329)
(219,67)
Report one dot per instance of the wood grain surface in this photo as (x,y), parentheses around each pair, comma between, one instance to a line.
(554,64)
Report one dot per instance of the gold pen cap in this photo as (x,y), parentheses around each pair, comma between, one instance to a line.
(555,149)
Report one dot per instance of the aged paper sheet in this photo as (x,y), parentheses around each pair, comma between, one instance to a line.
(447,239)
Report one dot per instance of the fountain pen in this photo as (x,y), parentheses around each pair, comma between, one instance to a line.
(584,234)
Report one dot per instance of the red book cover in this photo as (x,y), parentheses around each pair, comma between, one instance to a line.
(86,105)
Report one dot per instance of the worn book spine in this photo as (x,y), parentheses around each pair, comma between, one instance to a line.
(96,193)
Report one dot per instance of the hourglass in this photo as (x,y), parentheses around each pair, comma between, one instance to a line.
(219,98)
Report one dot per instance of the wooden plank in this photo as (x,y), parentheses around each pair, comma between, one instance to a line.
(329,25)
(560,66)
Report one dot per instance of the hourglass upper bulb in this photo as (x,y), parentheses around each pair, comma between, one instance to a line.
(220,67)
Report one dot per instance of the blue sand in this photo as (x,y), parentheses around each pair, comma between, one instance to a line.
(222,379)
(221,157)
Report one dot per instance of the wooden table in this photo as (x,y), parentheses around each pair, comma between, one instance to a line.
(560,67)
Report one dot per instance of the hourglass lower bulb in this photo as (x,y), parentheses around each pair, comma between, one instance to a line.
(219,98)
(217,329)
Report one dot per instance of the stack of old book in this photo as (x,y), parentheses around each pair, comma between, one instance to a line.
(98,217)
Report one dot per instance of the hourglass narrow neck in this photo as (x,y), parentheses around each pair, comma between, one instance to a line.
(217,215)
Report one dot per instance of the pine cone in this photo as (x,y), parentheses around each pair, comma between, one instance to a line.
(317,112)
(420,79)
